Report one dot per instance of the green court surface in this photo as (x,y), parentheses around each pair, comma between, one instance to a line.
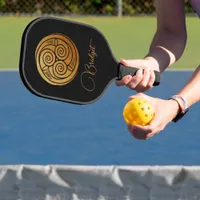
(128,37)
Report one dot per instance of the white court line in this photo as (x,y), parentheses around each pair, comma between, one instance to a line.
(181,69)
(8,69)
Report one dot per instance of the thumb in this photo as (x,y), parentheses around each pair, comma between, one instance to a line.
(154,126)
(148,130)
(149,99)
(138,95)
(131,63)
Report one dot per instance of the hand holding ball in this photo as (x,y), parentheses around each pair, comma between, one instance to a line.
(138,111)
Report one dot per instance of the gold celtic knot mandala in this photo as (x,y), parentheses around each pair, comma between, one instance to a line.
(57,59)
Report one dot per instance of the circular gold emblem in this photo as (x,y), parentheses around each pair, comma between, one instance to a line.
(57,59)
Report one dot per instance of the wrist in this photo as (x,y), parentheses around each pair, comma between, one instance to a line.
(175,108)
(181,107)
(164,57)
(153,63)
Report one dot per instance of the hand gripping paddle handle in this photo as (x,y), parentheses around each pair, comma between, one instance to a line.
(124,71)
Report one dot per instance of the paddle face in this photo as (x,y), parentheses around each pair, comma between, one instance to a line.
(66,61)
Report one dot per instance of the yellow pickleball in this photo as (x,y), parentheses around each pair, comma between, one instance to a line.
(138,111)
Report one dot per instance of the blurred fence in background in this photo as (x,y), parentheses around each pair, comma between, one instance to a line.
(80,7)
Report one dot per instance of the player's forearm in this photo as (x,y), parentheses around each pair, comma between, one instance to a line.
(167,47)
(191,91)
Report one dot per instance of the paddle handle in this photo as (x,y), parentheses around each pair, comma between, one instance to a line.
(123,71)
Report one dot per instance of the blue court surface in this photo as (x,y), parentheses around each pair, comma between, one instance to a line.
(34,130)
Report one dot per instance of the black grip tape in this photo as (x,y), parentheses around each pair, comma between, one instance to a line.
(124,71)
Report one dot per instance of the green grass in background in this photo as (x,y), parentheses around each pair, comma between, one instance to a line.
(128,37)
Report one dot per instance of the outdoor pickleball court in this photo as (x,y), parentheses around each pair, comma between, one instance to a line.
(86,152)
(41,131)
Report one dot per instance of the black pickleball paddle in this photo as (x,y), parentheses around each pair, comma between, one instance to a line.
(68,61)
